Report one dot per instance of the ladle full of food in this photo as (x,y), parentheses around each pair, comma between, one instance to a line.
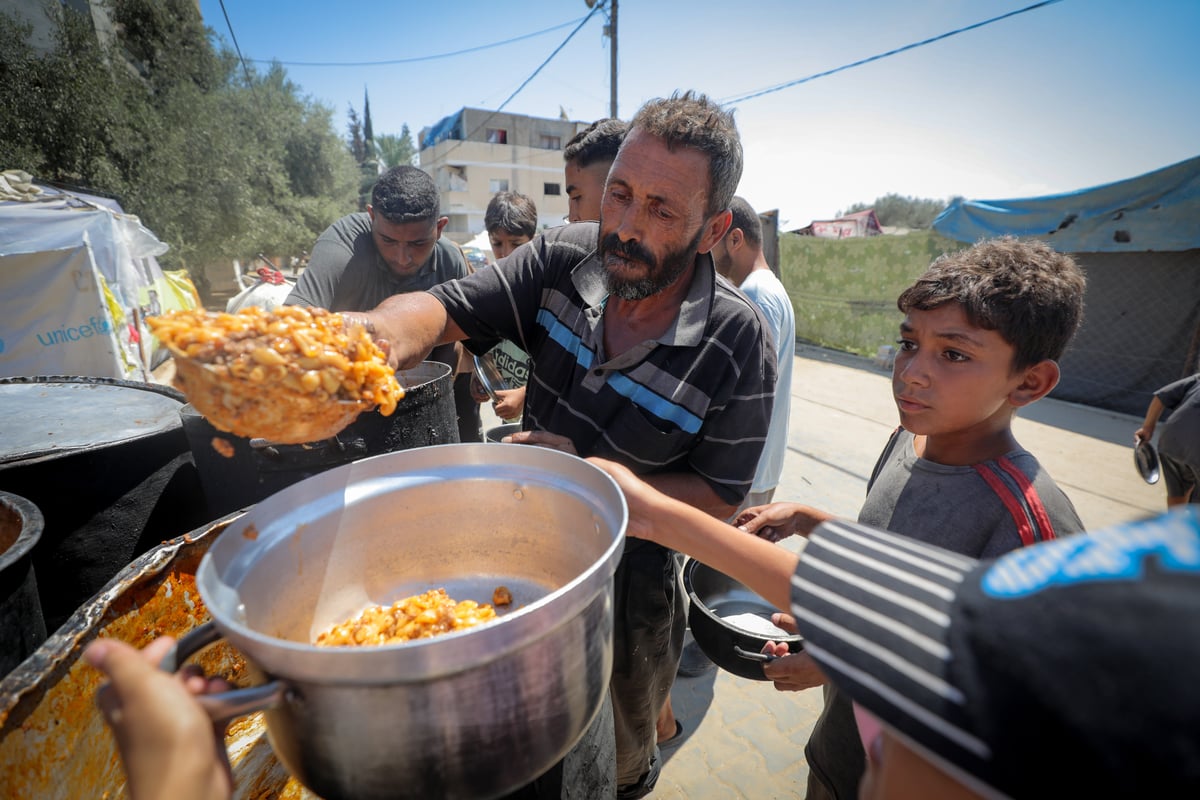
(289,375)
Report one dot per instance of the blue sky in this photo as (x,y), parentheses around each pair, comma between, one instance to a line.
(1063,97)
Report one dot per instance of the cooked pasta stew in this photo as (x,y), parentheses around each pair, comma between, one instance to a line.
(417,617)
(290,374)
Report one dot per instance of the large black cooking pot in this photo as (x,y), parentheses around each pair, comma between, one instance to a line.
(22,628)
(731,623)
(238,472)
(108,465)
(470,714)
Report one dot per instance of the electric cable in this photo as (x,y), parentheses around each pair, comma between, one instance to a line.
(860,62)
(416,59)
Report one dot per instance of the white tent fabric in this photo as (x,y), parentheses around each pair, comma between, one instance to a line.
(77,279)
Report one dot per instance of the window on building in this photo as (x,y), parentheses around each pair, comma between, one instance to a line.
(551,188)
(497,136)
(498,185)
(452,179)
(549,142)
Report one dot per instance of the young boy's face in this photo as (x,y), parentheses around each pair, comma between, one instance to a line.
(952,377)
(504,242)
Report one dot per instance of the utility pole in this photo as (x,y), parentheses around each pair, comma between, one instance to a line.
(612,64)
(610,30)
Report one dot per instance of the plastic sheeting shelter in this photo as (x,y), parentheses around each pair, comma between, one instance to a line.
(1138,241)
(77,278)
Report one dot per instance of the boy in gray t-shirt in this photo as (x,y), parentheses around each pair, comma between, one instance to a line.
(982,332)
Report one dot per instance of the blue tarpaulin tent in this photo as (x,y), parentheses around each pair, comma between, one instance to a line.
(1157,211)
(1138,240)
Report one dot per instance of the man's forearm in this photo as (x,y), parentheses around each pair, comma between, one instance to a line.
(412,324)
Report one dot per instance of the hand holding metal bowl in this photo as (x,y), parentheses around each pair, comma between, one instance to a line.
(290,375)
(728,622)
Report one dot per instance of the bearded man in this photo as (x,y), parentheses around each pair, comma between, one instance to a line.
(640,355)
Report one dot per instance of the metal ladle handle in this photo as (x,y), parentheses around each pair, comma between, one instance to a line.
(222,706)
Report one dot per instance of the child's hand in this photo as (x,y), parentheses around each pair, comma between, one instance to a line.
(778,521)
(169,746)
(791,672)
(478,393)
(510,403)
(772,522)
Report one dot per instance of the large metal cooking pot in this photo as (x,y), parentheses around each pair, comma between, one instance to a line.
(238,472)
(730,622)
(107,463)
(22,628)
(472,714)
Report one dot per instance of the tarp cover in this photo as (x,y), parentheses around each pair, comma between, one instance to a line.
(77,278)
(1153,212)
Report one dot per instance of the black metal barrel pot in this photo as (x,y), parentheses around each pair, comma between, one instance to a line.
(238,472)
(22,628)
(107,464)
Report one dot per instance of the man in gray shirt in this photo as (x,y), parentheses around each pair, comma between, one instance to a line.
(395,247)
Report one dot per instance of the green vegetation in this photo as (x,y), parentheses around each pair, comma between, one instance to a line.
(844,290)
(397,150)
(898,211)
(219,160)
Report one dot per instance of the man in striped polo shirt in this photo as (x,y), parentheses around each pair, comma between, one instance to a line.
(640,355)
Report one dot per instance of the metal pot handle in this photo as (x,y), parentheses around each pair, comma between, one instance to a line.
(765,658)
(223,706)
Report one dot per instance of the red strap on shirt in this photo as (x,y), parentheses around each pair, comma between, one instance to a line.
(1025,527)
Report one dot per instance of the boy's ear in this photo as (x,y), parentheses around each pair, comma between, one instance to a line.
(1036,383)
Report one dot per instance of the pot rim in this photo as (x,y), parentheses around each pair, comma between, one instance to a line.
(415,660)
(33,522)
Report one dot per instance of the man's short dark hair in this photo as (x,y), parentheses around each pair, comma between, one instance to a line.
(511,212)
(692,120)
(405,194)
(1025,290)
(597,143)
(746,218)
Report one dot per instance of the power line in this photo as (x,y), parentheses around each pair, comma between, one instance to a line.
(242,59)
(860,62)
(524,83)
(416,59)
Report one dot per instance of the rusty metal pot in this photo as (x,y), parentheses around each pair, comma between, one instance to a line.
(471,714)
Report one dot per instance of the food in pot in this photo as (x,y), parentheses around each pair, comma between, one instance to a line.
(417,617)
(289,375)
(755,624)
(501,596)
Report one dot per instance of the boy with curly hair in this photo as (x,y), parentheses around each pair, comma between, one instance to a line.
(981,337)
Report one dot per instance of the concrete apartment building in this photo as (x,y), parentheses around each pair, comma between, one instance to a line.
(474,153)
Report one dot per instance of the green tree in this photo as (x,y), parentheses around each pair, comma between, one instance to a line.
(220,161)
(355,138)
(396,150)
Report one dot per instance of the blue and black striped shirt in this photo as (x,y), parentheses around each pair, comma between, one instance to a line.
(698,398)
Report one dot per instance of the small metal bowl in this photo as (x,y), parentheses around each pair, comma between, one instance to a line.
(713,599)
(1145,458)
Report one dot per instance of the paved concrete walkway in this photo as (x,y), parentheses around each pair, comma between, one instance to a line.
(743,739)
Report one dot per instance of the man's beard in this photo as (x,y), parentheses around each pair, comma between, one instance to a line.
(659,274)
